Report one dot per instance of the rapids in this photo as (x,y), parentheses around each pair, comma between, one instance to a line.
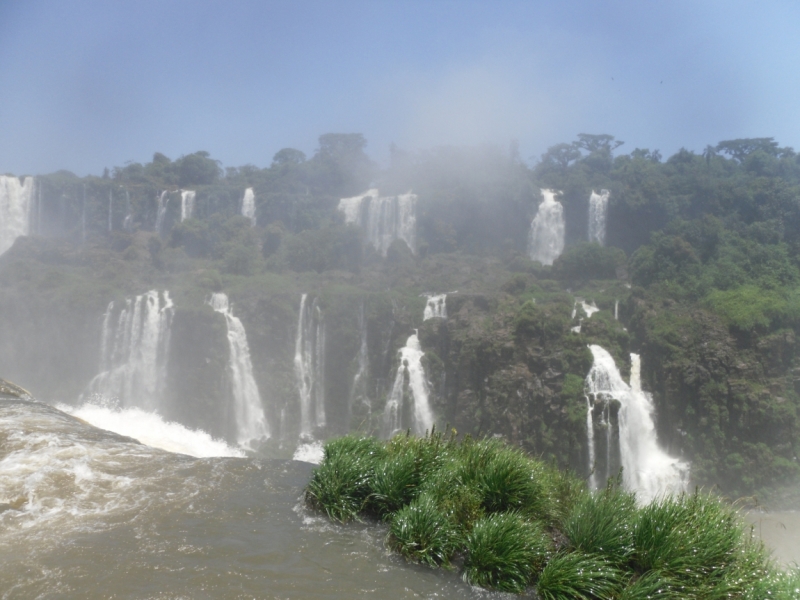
(86,513)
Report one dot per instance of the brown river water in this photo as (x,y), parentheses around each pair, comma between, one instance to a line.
(85,513)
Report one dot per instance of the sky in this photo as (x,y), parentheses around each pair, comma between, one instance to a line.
(89,84)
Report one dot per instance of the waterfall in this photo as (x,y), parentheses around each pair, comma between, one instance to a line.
(83,216)
(546,237)
(359,397)
(162,200)
(251,423)
(134,351)
(589,308)
(249,205)
(110,209)
(598,207)
(127,222)
(436,306)
(408,406)
(187,204)
(15,209)
(646,469)
(309,367)
(616,310)
(383,219)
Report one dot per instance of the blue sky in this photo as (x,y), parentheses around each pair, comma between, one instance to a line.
(90,84)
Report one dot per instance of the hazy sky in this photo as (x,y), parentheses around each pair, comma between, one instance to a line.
(88,84)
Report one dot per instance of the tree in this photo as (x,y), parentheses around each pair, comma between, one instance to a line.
(560,156)
(288,156)
(739,149)
(594,143)
(197,169)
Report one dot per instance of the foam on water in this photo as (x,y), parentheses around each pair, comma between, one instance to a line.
(310,453)
(150,429)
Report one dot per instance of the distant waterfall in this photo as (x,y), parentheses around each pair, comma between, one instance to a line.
(435,306)
(598,207)
(383,219)
(251,424)
(646,469)
(16,200)
(546,237)
(309,367)
(408,405)
(249,205)
(134,351)
(110,209)
(187,204)
(359,397)
(162,200)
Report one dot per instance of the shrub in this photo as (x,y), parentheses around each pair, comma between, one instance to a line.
(423,533)
(504,552)
(579,576)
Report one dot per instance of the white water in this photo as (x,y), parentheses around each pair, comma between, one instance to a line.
(16,200)
(435,307)
(251,423)
(546,237)
(187,204)
(134,351)
(311,452)
(383,219)
(163,199)
(589,308)
(417,392)
(358,393)
(249,206)
(309,367)
(616,310)
(646,468)
(598,207)
(150,429)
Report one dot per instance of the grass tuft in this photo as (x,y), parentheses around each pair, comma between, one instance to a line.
(578,576)
(504,552)
(603,523)
(423,533)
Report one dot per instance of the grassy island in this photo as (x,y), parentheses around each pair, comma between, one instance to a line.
(509,522)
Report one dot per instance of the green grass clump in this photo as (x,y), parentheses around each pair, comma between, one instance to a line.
(504,552)
(603,523)
(579,576)
(341,484)
(519,522)
(422,532)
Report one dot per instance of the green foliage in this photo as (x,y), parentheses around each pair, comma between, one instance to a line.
(578,576)
(589,261)
(504,552)
(603,523)
(422,532)
(334,247)
(749,306)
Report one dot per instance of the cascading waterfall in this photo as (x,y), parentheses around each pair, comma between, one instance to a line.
(111,209)
(162,200)
(309,367)
(546,237)
(187,204)
(16,200)
(435,307)
(616,310)
(646,469)
(251,423)
(408,405)
(598,207)
(359,397)
(249,205)
(383,219)
(134,351)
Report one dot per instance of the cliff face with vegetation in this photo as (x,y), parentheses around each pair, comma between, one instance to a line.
(700,261)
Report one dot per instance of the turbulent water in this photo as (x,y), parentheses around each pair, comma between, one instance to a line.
(86,513)
(408,404)
(646,468)
(546,237)
(598,207)
(161,201)
(383,219)
(251,423)
(134,351)
(309,367)
(16,201)
(249,205)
